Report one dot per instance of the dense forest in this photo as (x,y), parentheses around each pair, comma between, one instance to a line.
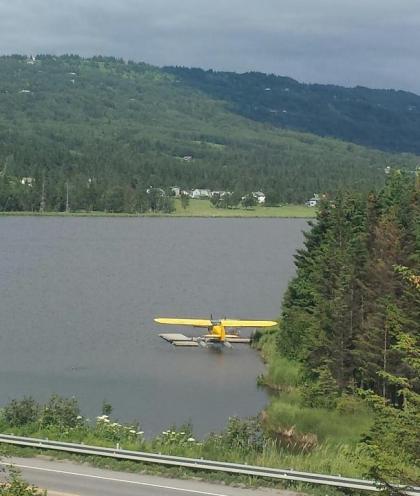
(384,119)
(351,315)
(101,131)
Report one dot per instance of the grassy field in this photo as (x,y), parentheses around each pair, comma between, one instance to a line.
(196,208)
(203,208)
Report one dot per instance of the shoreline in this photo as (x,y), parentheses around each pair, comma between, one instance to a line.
(196,209)
(156,215)
(163,216)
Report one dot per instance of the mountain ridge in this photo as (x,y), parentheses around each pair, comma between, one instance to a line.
(388,119)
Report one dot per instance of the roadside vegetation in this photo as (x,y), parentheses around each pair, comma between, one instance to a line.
(250,441)
(12,484)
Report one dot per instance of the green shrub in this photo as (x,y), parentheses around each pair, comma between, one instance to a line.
(105,428)
(350,404)
(323,392)
(21,412)
(60,412)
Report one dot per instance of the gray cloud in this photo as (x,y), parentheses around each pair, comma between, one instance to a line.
(367,42)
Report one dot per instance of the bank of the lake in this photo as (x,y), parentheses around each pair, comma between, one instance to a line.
(195,208)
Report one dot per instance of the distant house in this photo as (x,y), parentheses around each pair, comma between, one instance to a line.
(200,193)
(27,181)
(25,91)
(218,194)
(158,191)
(313,202)
(176,190)
(259,196)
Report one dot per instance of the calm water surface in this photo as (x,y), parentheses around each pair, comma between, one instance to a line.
(78,297)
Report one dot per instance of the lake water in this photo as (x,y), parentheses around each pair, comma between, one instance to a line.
(77,302)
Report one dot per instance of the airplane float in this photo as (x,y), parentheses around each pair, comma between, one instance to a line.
(217,334)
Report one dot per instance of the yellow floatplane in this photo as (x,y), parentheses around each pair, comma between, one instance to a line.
(217,334)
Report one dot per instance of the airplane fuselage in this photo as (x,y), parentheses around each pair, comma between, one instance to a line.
(218,331)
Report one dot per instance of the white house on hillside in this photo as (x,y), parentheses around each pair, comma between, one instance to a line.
(200,193)
(176,190)
(259,196)
(159,191)
(219,194)
(27,181)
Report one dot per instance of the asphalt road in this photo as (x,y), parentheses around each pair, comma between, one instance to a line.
(63,478)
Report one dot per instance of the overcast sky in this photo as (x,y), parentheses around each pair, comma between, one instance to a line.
(374,43)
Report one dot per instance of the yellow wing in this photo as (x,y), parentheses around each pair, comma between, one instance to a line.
(186,322)
(248,323)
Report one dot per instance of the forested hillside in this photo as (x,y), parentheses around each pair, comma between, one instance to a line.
(105,130)
(384,119)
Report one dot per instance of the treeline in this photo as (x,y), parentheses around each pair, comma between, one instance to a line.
(80,195)
(113,124)
(351,316)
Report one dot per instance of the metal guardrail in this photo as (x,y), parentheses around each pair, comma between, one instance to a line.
(232,468)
